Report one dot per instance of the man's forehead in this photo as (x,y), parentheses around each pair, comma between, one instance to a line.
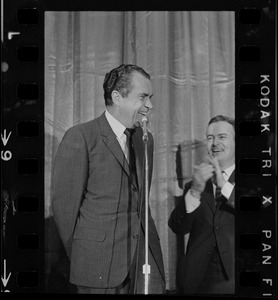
(142,84)
(220,127)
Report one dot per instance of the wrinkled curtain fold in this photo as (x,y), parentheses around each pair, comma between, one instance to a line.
(190,57)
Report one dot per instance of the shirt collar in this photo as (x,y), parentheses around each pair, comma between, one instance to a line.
(229,170)
(117,127)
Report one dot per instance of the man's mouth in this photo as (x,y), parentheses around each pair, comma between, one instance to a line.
(140,116)
(216,151)
(142,113)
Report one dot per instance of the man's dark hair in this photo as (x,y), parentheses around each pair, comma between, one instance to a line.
(219,118)
(120,79)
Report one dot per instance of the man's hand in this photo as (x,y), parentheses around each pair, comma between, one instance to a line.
(202,173)
(218,178)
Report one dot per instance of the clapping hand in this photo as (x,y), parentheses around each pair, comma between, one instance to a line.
(218,178)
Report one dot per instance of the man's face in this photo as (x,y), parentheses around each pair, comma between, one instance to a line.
(138,101)
(221,143)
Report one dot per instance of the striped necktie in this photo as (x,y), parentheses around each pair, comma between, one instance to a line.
(217,195)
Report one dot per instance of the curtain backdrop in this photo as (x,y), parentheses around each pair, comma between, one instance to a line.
(190,56)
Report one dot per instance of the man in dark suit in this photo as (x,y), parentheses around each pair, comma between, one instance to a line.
(98,194)
(206,211)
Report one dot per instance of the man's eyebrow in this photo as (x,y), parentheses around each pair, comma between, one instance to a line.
(224,133)
(209,135)
(146,95)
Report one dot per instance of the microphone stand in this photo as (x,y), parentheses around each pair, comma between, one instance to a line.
(146,266)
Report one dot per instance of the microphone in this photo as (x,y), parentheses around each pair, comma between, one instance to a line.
(145,129)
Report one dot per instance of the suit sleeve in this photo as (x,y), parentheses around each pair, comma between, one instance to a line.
(180,221)
(70,173)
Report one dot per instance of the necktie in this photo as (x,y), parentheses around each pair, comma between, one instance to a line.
(218,194)
(132,164)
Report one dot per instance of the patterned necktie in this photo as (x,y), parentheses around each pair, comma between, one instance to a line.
(132,164)
(218,195)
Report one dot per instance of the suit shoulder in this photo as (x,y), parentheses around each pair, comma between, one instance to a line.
(85,128)
(83,133)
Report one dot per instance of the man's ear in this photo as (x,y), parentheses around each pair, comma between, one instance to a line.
(116,97)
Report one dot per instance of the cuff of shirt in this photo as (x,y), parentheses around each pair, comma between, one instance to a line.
(191,203)
(227,189)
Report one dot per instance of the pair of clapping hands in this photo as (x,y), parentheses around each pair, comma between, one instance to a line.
(206,170)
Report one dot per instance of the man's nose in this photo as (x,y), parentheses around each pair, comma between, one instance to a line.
(149,104)
(215,141)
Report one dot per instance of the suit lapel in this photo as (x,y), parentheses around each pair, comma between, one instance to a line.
(210,197)
(232,178)
(209,191)
(110,139)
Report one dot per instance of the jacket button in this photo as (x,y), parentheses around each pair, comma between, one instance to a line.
(209,253)
(135,236)
(134,189)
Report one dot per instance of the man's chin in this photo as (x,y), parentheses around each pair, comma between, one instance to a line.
(218,156)
(138,120)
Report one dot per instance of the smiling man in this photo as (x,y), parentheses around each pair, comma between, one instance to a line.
(98,183)
(206,212)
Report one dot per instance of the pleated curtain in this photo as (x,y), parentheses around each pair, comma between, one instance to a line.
(190,56)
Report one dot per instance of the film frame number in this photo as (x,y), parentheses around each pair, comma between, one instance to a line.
(6,155)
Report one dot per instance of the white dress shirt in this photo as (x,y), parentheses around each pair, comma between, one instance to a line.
(191,202)
(118,128)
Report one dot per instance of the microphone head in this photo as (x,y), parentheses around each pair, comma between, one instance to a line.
(145,119)
(144,127)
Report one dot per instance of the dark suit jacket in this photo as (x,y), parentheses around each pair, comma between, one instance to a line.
(207,225)
(96,204)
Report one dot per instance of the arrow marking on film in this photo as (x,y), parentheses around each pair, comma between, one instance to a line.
(5,279)
(5,138)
